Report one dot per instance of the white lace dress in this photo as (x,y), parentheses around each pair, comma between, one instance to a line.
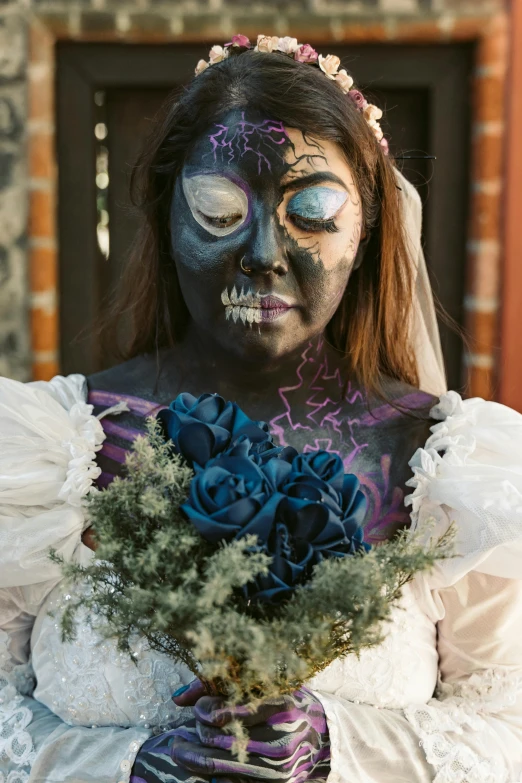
(440,700)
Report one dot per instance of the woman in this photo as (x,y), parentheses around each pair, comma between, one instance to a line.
(279,265)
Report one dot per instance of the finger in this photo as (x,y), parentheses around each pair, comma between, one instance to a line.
(187,695)
(89,539)
(212,711)
(212,761)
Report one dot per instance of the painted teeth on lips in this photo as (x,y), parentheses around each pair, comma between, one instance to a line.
(249,315)
(252,307)
(242,299)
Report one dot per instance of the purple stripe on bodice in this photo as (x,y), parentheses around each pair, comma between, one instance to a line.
(125,433)
(136,404)
(116,453)
(113,428)
(387,412)
(104,479)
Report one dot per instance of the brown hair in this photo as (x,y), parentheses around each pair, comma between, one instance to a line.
(371,325)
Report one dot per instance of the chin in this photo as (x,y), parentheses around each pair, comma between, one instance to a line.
(258,345)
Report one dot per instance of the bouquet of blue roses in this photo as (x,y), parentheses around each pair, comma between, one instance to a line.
(242,559)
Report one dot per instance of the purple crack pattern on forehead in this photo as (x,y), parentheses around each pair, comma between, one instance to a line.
(232,142)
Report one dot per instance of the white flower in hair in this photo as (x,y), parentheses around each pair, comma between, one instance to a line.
(376,128)
(217,54)
(344,80)
(287,45)
(372,112)
(201,66)
(329,65)
(267,43)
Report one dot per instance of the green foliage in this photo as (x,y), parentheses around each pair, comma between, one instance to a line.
(154,575)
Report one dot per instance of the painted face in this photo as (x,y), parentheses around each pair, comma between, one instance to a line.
(265,226)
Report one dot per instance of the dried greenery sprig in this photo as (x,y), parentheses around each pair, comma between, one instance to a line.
(155,576)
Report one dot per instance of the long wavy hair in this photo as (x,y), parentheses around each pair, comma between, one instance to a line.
(371,327)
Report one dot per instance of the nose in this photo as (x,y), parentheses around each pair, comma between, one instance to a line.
(266,252)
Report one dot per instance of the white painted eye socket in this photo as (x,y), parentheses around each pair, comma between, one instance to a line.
(217,203)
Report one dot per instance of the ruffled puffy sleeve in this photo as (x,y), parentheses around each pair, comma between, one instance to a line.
(48,444)
(469,474)
(47,465)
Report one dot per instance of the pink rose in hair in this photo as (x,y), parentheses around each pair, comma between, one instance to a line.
(358,98)
(306,54)
(384,144)
(239,40)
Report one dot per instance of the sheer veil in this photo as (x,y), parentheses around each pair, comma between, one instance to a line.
(425,331)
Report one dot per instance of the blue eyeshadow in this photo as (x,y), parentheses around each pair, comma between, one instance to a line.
(316,203)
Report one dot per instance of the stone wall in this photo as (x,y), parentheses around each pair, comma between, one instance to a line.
(27,303)
(14,332)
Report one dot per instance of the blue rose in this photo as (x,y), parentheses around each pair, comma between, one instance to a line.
(231,499)
(301,508)
(261,453)
(205,427)
(323,506)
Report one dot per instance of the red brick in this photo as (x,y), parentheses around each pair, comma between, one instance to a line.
(485,221)
(41,155)
(493,43)
(44,371)
(488,98)
(487,154)
(44,330)
(41,95)
(356,32)
(41,214)
(482,329)
(43,269)
(418,32)
(469,28)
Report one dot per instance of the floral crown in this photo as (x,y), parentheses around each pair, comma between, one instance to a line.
(303,53)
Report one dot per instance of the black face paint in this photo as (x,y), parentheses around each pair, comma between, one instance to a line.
(248,257)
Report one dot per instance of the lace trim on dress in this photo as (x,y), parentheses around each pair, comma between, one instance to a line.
(457,706)
(14,777)
(16,744)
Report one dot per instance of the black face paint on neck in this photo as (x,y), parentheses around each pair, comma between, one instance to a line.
(261,262)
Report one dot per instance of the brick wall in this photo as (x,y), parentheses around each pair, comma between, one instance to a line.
(28,29)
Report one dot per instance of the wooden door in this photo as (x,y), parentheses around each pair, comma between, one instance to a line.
(425,93)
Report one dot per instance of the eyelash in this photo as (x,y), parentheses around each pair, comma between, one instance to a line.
(307,224)
(216,220)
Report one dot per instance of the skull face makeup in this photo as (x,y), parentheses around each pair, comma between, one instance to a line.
(265,226)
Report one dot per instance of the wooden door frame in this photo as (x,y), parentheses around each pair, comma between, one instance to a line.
(488,128)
